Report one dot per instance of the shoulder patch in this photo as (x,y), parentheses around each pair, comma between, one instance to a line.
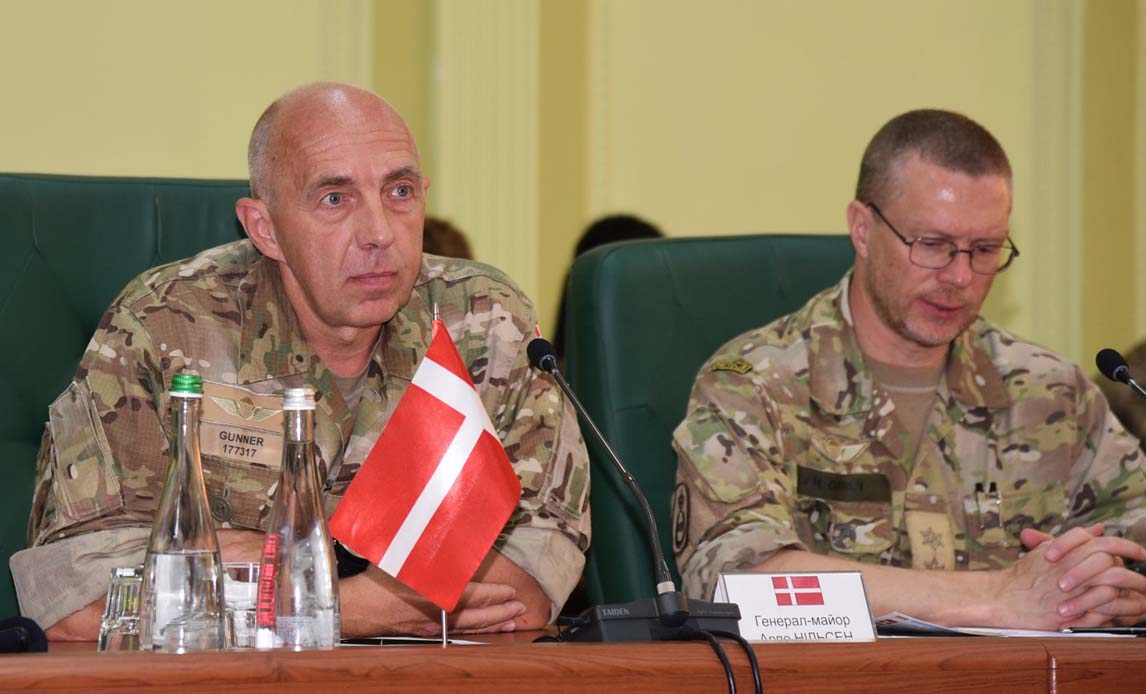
(738,365)
(680,516)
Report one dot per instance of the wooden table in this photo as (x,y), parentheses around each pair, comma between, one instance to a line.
(1096,665)
(995,665)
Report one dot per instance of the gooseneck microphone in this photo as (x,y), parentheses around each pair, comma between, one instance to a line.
(671,609)
(1112,365)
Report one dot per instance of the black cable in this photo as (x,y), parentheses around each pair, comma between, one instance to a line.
(686,634)
(715,643)
(702,635)
(565,626)
(757,683)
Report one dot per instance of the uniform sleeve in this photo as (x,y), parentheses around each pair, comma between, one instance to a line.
(54,580)
(548,533)
(99,474)
(734,502)
(1108,482)
(100,464)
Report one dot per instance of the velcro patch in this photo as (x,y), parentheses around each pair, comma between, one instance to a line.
(932,542)
(738,365)
(680,517)
(241,425)
(865,486)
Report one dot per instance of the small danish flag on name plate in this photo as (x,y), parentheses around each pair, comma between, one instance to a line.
(437,488)
(797,590)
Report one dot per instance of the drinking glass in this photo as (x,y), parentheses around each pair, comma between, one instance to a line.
(119,628)
(240,590)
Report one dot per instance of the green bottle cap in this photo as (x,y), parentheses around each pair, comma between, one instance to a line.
(187,383)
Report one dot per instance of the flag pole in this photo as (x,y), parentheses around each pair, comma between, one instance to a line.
(444,629)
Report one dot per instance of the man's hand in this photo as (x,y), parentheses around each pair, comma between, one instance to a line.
(500,598)
(240,545)
(1074,580)
(375,604)
(1096,588)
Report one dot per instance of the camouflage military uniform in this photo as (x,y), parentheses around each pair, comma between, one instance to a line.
(787,443)
(223,313)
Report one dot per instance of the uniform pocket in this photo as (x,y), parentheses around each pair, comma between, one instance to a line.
(1002,516)
(241,441)
(239,493)
(565,482)
(860,528)
(848,514)
(1042,509)
(85,478)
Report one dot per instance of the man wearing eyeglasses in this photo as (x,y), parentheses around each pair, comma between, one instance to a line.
(978,479)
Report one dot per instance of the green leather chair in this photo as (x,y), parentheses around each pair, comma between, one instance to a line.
(642,317)
(70,244)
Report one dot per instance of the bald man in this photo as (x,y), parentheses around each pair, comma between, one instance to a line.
(330,290)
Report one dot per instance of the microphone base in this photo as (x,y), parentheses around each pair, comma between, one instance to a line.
(640,621)
(21,635)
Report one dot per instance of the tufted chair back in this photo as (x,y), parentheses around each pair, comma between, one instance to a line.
(69,244)
(642,318)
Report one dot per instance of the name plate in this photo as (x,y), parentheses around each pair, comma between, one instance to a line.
(827,606)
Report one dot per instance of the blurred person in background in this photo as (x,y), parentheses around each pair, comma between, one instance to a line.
(441,237)
(611,229)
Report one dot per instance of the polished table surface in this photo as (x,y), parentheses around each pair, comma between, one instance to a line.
(512,663)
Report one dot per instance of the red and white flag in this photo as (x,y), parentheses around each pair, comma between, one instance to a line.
(437,488)
(797,590)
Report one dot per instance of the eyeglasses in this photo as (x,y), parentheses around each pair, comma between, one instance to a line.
(936,254)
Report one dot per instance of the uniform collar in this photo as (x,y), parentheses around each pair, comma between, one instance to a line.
(406,337)
(271,344)
(971,374)
(841,384)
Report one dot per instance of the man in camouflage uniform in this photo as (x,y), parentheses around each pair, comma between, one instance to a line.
(974,478)
(331,291)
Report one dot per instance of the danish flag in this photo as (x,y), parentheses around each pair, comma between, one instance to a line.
(437,488)
(797,590)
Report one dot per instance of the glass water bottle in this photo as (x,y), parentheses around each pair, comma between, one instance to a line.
(182,608)
(298,580)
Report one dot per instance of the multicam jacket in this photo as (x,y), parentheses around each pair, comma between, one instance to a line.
(787,443)
(223,313)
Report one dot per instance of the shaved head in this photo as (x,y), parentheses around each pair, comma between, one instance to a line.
(269,150)
(338,202)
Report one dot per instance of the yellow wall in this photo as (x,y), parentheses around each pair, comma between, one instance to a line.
(1108,177)
(755,119)
(563,162)
(752,117)
(402,65)
(743,117)
(136,87)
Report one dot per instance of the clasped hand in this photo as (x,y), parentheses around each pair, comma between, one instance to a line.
(1078,579)
(374,603)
